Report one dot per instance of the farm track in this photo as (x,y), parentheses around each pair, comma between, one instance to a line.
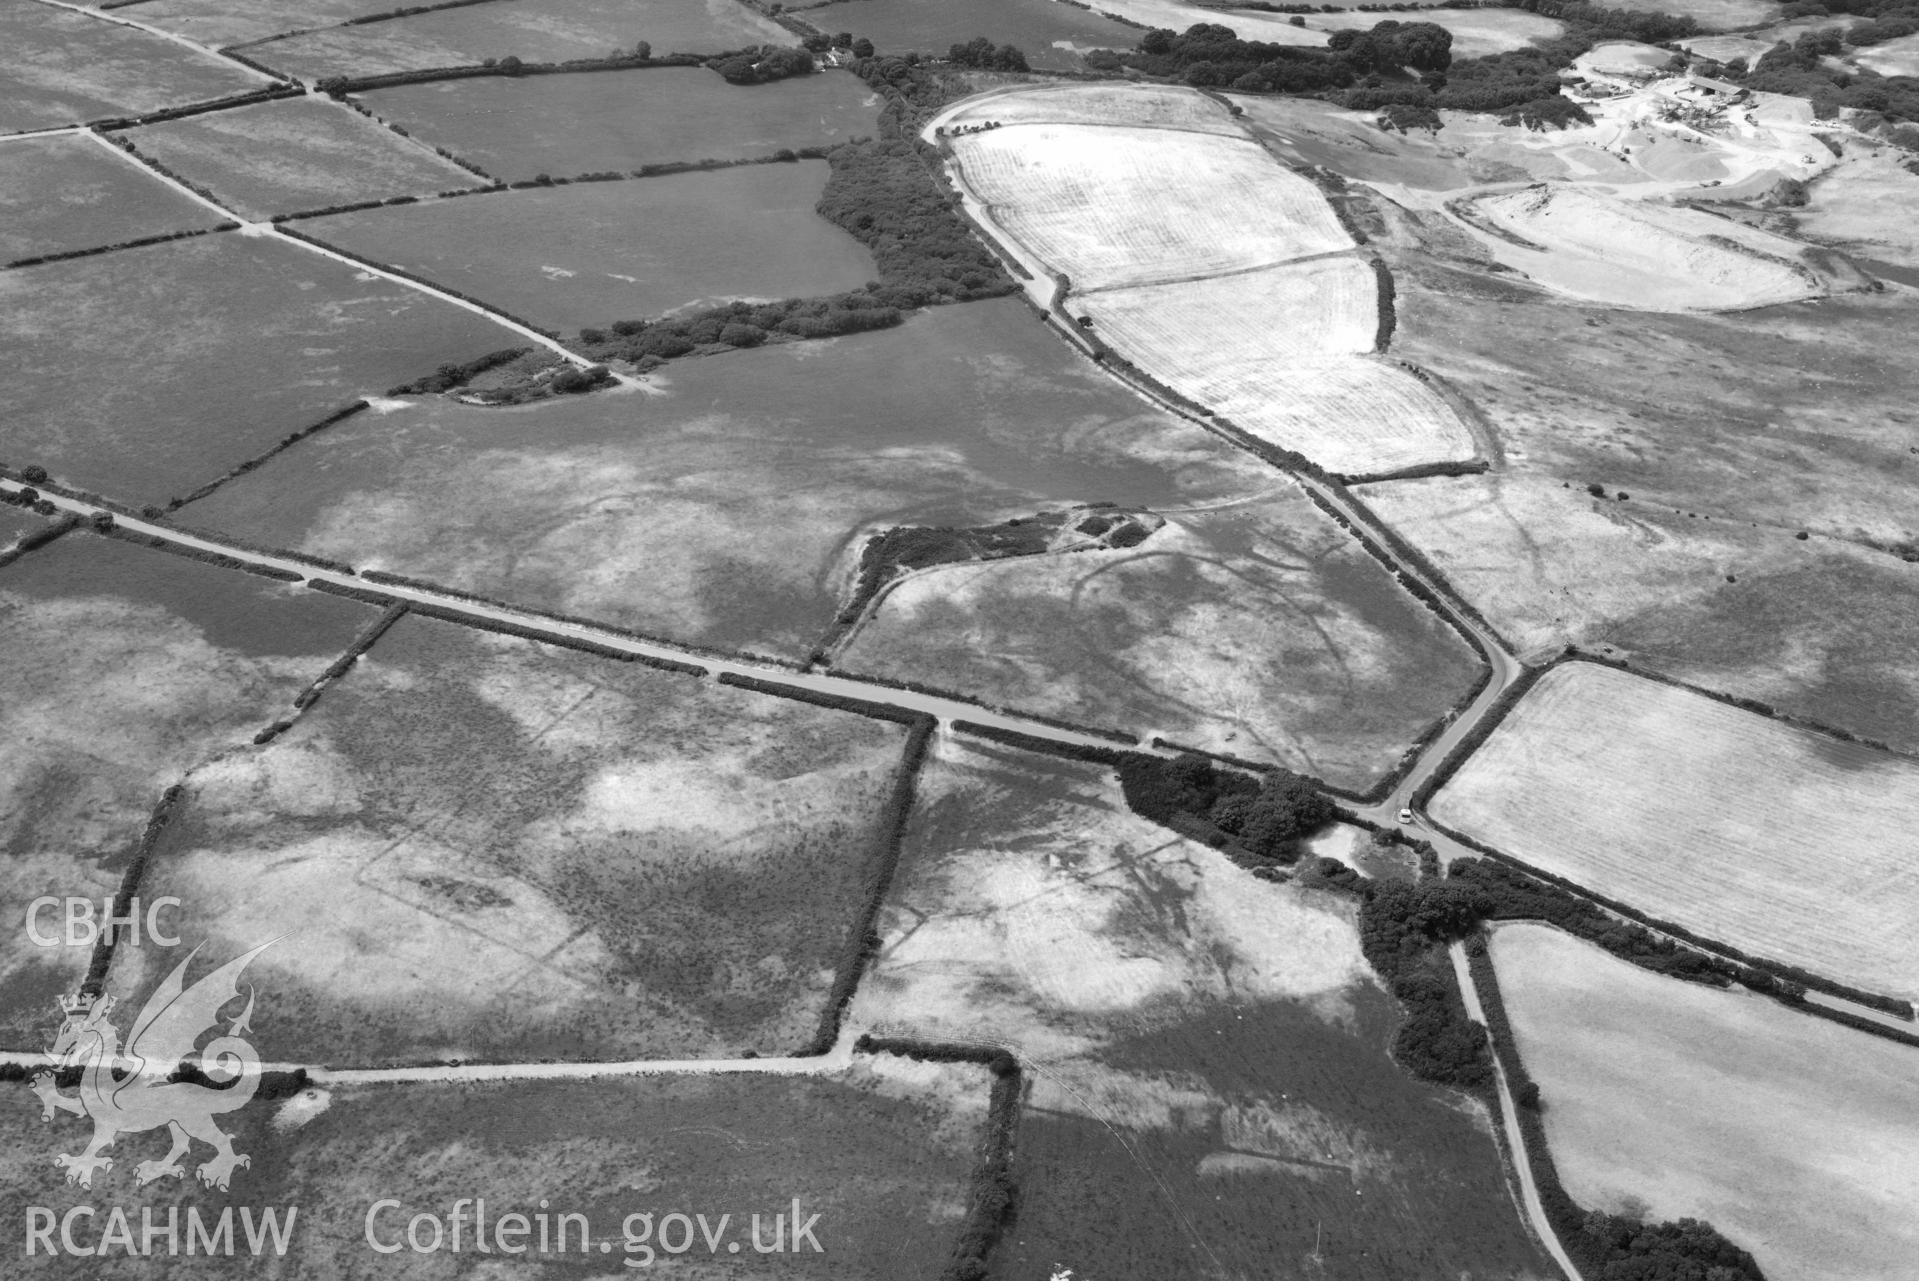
(1522,1170)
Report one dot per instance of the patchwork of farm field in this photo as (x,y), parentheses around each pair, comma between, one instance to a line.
(1640,254)
(1115,205)
(1050,34)
(749,480)
(607,251)
(125,668)
(1271,344)
(61,194)
(479,847)
(1272,351)
(65,67)
(1211,1090)
(878,1156)
(1791,1135)
(546,31)
(517,129)
(190,330)
(1786,843)
(1260,630)
(303,153)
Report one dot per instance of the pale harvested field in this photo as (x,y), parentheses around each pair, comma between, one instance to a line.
(1795,1137)
(1275,351)
(1100,103)
(1352,414)
(1205,328)
(1787,844)
(1114,206)
(1638,254)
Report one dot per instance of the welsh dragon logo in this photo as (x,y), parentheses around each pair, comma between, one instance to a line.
(134,1090)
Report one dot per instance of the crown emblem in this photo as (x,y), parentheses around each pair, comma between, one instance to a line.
(81,1004)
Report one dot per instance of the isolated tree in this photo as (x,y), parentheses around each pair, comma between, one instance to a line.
(643,51)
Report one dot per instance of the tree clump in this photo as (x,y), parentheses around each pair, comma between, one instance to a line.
(764,65)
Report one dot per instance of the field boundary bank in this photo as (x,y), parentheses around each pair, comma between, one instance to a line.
(313,244)
(862,937)
(68,255)
(360,108)
(993,1192)
(1779,970)
(336,85)
(337,669)
(337,416)
(158,820)
(35,539)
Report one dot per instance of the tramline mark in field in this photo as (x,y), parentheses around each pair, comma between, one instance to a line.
(1792,1135)
(1786,843)
(1111,206)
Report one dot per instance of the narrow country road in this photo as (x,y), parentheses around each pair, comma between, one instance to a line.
(1522,1169)
(943,709)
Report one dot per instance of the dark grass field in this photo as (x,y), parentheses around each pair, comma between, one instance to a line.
(636,250)
(297,154)
(67,68)
(554,31)
(517,129)
(62,194)
(146,373)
